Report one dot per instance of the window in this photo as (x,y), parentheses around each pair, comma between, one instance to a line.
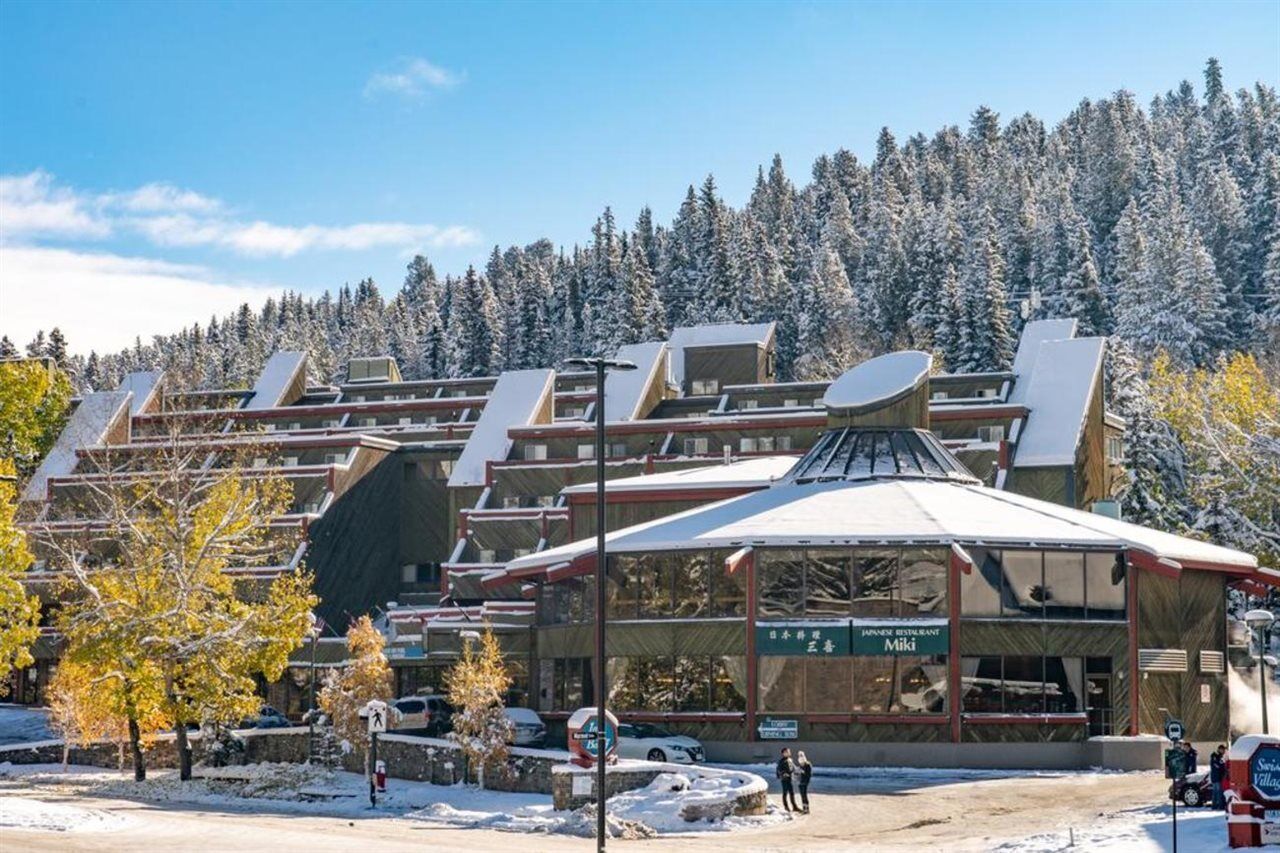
(335,458)
(922,582)
(783,442)
(987,393)
(1115,449)
(781,682)
(329,423)
(623,595)
(1024,584)
(875,576)
(405,421)
(991,434)
(729,683)
(289,461)
(791,403)
(259,462)
(703,387)
(747,445)
(681,683)
(573,411)
(619,449)
(545,501)
(1064,589)
(780,577)
(938,395)
(510,502)
(368,422)
(750,404)
(691,579)
(692,683)
(827,589)
(586,451)
(1023,684)
(900,685)
(695,446)
(827,684)
(535,452)
(1044,585)
(656,574)
(728,588)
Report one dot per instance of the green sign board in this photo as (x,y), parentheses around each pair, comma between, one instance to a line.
(906,639)
(816,639)
(771,728)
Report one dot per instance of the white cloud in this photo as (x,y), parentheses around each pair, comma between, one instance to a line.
(33,207)
(161,198)
(265,238)
(30,205)
(101,301)
(412,78)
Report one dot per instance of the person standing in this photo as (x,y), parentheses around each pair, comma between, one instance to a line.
(1191,758)
(805,769)
(786,770)
(1217,775)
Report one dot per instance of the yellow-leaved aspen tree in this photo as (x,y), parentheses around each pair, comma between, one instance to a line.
(19,610)
(477,685)
(365,677)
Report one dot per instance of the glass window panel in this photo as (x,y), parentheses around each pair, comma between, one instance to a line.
(827,685)
(692,583)
(624,587)
(1023,584)
(1104,580)
(827,591)
(980,685)
(692,684)
(781,683)
(780,576)
(1023,686)
(641,683)
(1064,689)
(728,588)
(729,683)
(874,679)
(624,684)
(980,586)
(922,685)
(875,574)
(657,573)
(923,581)
(570,671)
(1063,585)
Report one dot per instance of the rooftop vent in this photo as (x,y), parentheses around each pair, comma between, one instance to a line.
(379,369)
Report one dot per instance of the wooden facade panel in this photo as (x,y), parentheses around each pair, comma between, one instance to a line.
(738,364)
(1023,733)
(1091,480)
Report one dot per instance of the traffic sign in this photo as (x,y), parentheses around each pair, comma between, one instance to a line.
(1173,730)
(376,711)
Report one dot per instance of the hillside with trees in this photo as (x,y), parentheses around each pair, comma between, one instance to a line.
(1159,226)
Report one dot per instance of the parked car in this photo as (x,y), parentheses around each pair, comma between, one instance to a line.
(1193,790)
(430,714)
(646,740)
(267,718)
(527,727)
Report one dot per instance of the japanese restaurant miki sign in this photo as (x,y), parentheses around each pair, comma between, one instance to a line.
(900,639)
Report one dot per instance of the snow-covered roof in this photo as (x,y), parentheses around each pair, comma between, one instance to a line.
(878,380)
(754,472)
(625,389)
(87,426)
(1034,334)
(875,512)
(144,385)
(278,375)
(516,399)
(722,334)
(1062,382)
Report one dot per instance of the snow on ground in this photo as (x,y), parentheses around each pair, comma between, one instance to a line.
(20,724)
(1148,830)
(23,813)
(305,789)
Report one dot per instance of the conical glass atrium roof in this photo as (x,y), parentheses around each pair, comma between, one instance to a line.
(861,453)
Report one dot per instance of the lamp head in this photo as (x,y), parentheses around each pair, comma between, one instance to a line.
(1258,619)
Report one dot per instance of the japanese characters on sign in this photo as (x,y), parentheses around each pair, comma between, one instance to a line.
(778,638)
(837,638)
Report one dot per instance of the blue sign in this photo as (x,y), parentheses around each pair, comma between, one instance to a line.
(1173,730)
(1264,771)
(590,742)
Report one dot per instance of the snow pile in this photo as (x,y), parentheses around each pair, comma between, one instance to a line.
(274,781)
(34,815)
(19,724)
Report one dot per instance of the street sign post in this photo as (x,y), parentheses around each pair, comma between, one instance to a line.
(1175,764)
(1174,730)
(375,712)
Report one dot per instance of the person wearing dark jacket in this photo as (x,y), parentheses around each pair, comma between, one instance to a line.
(1191,757)
(786,770)
(805,769)
(1217,775)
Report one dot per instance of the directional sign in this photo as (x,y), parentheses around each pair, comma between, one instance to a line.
(376,711)
(775,729)
(1173,730)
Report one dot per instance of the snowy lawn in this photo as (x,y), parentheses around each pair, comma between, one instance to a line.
(21,724)
(303,789)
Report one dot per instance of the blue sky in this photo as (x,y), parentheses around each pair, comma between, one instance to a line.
(163,161)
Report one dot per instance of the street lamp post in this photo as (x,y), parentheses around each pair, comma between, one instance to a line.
(1260,621)
(600,365)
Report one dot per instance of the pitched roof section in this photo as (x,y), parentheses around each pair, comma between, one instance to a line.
(1033,335)
(519,398)
(626,390)
(892,512)
(89,425)
(145,387)
(282,381)
(1062,383)
(719,335)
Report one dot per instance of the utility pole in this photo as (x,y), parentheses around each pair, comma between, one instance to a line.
(600,364)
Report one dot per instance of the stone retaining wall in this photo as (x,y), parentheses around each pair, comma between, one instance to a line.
(280,745)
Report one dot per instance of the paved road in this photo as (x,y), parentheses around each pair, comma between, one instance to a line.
(967,816)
